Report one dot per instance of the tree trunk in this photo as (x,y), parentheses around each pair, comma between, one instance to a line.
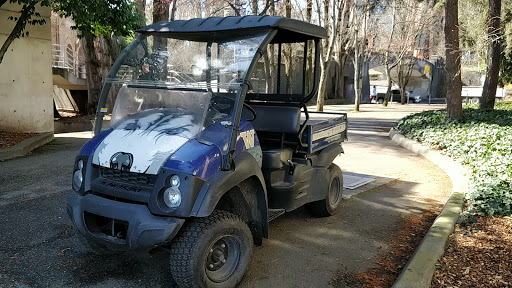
(357,81)
(402,95)
(160,13)
(288,52)
(387,65)
(322,85)
(387,97)
(493,56)
(340,90)
(254,7)
(268,73)
(173,10)
(141,6)
(453,77)
(405,67)
(107,58)
(325,63)
(93,72)
(161,10)
(309,64)
(400,76)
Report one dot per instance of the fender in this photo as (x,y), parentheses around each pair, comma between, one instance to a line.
(320,180)
(327,155)
(245,167)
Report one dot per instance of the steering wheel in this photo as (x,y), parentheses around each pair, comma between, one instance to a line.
(225,104)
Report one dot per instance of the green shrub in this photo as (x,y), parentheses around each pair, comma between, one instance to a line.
(481,140)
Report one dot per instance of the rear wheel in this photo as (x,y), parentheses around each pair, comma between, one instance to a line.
(211,252)
(331,204)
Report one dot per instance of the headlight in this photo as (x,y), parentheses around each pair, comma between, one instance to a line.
(78,176)
(175,181)
(172,197)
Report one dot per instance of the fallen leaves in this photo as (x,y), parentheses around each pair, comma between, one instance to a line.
(8,139)
(390,264)
(479,255)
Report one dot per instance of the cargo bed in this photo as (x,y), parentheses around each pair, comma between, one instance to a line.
(324,129)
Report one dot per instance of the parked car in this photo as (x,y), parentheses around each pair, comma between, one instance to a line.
(395,97)
(413,98)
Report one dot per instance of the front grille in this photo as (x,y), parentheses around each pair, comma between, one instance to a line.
(128,177)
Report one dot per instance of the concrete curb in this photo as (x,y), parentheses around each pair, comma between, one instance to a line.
(76,126)
(420,269)
(23,148)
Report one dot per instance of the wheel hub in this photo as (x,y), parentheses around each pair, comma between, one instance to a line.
(222,259)
(334,191)
(217,256)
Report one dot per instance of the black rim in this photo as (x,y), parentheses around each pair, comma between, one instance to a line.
(223,258)
(334,191)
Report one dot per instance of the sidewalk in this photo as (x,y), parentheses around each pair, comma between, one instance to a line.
(420,268)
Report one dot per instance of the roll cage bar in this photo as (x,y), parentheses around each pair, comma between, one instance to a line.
(279,30)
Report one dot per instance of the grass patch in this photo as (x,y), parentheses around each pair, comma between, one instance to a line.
(482,140)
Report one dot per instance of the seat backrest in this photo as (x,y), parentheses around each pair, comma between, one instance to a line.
(277,119)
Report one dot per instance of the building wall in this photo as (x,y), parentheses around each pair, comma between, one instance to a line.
(26,85)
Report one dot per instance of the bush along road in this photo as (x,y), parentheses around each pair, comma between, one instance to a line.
(478,253)
(481,140)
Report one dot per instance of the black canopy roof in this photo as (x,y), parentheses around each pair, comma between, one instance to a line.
(219,28)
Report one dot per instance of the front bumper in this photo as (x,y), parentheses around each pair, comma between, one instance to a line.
(120,226)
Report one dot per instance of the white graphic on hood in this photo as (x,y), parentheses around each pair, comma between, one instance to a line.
(150,136)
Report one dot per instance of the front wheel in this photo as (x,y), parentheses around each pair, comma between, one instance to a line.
(211,252)
(331,204)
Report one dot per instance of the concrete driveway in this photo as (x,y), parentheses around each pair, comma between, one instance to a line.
(39,248)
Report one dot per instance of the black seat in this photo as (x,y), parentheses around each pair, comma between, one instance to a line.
(276,126)
(277,119)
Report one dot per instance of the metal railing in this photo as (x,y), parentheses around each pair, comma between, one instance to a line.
(63,58)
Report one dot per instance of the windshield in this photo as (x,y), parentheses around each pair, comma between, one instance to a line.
(163,79)
(170,112)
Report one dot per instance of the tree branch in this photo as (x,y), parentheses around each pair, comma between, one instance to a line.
(25,14)
(268,4)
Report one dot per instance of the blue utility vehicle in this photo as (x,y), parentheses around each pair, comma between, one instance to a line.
(209,140)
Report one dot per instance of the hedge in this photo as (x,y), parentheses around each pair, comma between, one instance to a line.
(481,140)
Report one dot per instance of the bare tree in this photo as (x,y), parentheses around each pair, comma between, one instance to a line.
(331,23)
(406,29)
(360,23)
(453,77)
(344,47)
(493,55)
(404,72)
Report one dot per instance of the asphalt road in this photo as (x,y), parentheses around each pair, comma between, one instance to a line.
(39,248)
